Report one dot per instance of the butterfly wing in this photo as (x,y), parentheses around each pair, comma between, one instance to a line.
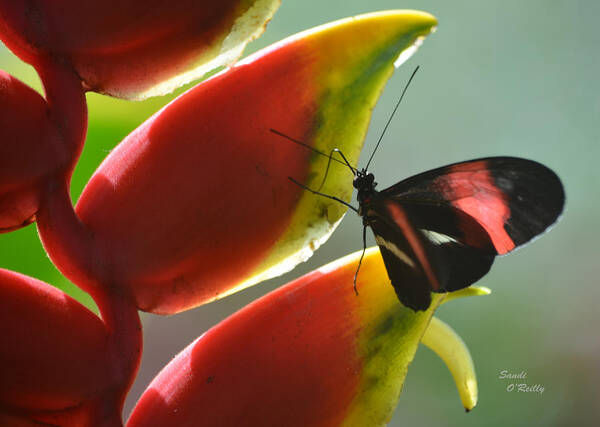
(513,199)
(437,249)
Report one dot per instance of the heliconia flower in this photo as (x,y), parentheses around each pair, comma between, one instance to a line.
(312,353)
(58,361)
(196,203)
(134,49)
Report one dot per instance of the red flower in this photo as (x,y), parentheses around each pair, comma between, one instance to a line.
(193,205)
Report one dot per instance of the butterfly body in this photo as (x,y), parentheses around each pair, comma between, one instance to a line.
(440,230)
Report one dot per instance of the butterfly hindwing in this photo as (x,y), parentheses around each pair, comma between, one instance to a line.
(513,199)
(461,244)
(409,275)
(425,250)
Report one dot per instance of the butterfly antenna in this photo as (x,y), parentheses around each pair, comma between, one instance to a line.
(289,138)
(391,117)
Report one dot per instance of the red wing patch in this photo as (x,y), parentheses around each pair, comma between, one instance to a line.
(475,193)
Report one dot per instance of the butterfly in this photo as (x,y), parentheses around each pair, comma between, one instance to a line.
(441,230)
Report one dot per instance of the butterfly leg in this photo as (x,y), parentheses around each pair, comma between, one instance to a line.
(323,194)
(361,257)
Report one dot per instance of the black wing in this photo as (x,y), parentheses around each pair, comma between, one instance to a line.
(425,249)
(513,199)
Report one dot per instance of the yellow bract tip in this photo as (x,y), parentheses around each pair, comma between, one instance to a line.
(446,343)
(471,291)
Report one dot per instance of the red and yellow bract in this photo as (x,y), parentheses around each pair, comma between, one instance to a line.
(312,353)
(196,203)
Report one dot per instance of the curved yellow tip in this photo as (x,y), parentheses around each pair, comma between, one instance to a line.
(471,291)
(446,343)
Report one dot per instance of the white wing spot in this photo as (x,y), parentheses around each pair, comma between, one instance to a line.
(438,238)
(395,250)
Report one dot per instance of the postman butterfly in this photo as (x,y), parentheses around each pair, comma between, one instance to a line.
(440,230)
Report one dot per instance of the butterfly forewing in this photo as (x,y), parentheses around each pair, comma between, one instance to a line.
(513,199)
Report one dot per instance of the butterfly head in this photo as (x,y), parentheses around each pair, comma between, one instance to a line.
(365,184)
(364,181)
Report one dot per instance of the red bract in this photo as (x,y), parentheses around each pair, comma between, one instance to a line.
(131,48)
(30,151)
(41,140)
(56,362)
(312,353)
(196,203)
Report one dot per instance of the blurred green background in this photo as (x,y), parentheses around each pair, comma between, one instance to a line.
(498,78)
